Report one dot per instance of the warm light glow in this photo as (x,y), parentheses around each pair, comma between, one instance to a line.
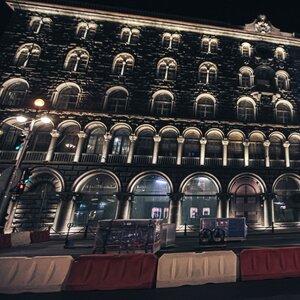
(45,119)
(39,102)
(21,119)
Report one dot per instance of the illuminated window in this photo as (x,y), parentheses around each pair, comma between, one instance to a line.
(246,110)
(246,78)
(208,73)
(246,50)
(86,30)
(282,80)
(166,69)
(283,112)
(123,64)
(66,96)
(209,45)
(36,24)
(76,60)
(130,36)
(27,55)
(162,103)
(280,54)
(116,100)
(205,107)
(171,41)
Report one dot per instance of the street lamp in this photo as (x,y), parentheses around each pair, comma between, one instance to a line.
(27,132)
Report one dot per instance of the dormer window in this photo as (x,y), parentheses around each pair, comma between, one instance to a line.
(130,36)
(171,41)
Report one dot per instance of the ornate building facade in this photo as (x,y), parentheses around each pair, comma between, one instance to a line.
(151,118)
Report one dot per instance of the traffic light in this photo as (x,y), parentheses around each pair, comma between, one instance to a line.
(20,141)
(20,188)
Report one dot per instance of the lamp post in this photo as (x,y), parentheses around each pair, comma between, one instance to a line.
(27,132)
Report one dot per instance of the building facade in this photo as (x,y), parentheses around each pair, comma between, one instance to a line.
(151,118)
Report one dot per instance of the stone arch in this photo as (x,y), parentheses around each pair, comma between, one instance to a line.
(143,127)
(193,130)
(169,128)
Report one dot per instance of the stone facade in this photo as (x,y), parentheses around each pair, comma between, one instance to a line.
(238,145)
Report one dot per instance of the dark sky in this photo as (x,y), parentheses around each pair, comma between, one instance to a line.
(284,14)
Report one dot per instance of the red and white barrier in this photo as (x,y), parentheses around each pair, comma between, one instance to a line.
(112,272)
(179,269)
(20,238)
(36,275)
(270,263)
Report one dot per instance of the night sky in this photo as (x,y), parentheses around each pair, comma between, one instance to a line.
(283,14)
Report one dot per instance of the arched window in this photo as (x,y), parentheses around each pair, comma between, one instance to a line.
(235,146)
(200,199)
(120,142)
(205,107)
(246,78)
(145,143)
(66,96)
(191,145)
(280,54)
(76,60)
(68,139)
(38,23)
(168,144)
(166,69)
(116,100)
(97,200)
(162,103)
(256,146)
(150,198)
(276,147)
(86,30)
(27,55)
(246,49)
(282,80)
(13,92)
(214,147)
(123,64)
(171,41)
(95,141)
(208,73)
(42,137)
(130,36)
(9,137)
(283,111)
(294,148)
(246,109)
(286,203)
(209,45)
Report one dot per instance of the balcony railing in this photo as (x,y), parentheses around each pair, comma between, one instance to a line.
(142,159)
(235,162)
(35,156)
(90,158)
(8,155)
(63,157)
(190,161)
(117,159)
(277,163)
(256,163)
(166,160)
(213,162)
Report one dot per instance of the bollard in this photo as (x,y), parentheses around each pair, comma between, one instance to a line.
(272,227)
(86,231)
(185,231)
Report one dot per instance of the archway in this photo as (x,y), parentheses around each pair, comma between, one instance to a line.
(247,191)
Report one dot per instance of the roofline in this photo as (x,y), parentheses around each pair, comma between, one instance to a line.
(139,20)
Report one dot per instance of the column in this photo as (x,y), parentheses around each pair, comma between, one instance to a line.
(132,139)
(286,146)
(107,138)
(81,135)
(225,143)
(174,215)
(203,142)
(54,136)
(123,209)
(180,141)
(246,153)
(65,211)
(267,153)
(228,199)
(266,213)
(157,140)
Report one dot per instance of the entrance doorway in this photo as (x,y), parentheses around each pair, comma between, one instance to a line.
(245,202)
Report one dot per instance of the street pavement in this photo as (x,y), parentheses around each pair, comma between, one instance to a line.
(279,289)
